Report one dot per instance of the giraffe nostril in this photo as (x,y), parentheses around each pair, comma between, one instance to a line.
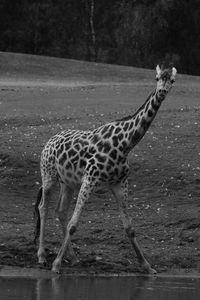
(162,93)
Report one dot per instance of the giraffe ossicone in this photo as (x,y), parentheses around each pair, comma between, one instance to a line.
(93,160)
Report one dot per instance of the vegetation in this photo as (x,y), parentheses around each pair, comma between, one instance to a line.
(129,32)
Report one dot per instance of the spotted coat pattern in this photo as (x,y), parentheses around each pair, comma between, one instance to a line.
(96,159)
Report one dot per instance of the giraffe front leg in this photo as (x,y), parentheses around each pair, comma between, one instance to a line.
(83,195)
(121,194)
(145,266)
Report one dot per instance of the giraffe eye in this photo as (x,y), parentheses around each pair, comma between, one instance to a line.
(172,81)
(157,78)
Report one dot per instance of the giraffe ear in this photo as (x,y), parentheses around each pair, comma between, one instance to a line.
(174,71)
(158,70)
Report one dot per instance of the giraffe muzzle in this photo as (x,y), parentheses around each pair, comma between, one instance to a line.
(162,93)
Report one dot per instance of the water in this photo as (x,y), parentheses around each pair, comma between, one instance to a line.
(77,288)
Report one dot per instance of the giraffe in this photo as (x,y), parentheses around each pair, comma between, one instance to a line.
(92,160)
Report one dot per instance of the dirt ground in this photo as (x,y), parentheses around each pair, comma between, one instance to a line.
(165,169)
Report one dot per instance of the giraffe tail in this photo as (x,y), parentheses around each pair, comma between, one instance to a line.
(37,216)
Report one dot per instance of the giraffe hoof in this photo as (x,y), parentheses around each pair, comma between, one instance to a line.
(56,271)
(56,267)
(42,262)
(152,271)
(148,269)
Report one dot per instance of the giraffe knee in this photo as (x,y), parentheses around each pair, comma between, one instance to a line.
(130,232)
(72,230)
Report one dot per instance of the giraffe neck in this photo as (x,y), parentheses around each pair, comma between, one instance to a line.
(137,125)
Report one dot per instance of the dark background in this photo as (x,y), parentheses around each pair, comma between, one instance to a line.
(139,33)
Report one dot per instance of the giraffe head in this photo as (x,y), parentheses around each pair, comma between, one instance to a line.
(165,79)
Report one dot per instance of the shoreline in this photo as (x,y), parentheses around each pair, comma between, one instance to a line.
(31,273)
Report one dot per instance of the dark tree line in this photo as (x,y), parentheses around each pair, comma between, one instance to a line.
(130,32)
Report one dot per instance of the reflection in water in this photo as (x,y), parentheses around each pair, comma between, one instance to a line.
(91,289)
(125,288)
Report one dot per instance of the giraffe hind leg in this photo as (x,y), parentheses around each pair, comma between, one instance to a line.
(47,190)
(62,209)
(37,216)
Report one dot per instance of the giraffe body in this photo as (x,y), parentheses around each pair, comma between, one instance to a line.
(85,153)
(96,159)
